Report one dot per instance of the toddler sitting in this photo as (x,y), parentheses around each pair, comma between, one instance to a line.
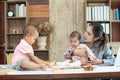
(77,54)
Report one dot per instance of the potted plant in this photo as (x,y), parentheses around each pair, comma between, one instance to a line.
(44,30)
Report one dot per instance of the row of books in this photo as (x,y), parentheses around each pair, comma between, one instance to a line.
(20,10)
(9,57)
(106,27)
(98,13)
(115,14)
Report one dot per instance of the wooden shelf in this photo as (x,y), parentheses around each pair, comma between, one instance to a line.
(100,1)
(16,1)
(14,25)
(14,33)
(118,21)
(114,25)
(11,50)
(115,0)
(16,17)
(98,21)
(42,54)
(41,50)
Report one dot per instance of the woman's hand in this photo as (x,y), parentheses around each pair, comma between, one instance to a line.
(96,61)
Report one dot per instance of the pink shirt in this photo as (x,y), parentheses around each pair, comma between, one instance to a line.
(89,52)
(21,51)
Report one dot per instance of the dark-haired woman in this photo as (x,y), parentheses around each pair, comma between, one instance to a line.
(96,39)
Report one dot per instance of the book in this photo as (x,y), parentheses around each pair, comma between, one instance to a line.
(101,13)
(104,12)
(9,57)
(107,13)
(96,13)
(16,8)
(116,14)
(88,13)
(107,28)
(104,29)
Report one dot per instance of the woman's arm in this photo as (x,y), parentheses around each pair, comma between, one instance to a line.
(105,57)
(108,57)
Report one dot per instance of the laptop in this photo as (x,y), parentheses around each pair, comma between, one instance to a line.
(117,60)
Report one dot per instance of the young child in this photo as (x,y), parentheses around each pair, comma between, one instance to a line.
(23,57)
(76,46)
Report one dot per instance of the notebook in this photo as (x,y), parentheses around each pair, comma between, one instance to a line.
(117,60)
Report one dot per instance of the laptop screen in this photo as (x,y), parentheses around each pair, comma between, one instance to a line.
(117,60)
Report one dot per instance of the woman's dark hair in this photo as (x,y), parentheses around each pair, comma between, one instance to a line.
(75,34)
(98,32)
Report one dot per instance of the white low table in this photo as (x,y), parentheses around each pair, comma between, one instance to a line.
(98,72)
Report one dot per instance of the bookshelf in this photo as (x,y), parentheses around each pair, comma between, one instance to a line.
(103,11)
(115,20)
(14,24)
(39,12)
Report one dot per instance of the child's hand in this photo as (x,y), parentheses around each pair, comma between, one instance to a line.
(67,56)
(51,64)
(43,67)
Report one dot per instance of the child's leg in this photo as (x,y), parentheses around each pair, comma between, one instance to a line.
(31,65)
(64,63)
(76,63)
(79,52)
(84,60)
(27,64)
(44,62)
(82,54)
(50,64)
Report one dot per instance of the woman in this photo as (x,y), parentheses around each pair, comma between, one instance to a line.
(96,39)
